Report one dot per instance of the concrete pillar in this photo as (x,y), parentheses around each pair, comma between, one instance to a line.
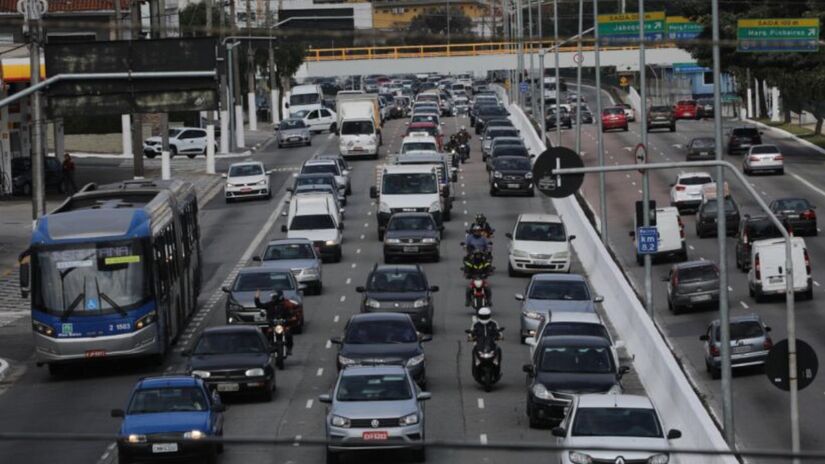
(126,130)
(59,141)
(239,135)
(775,116)
(750,102)
(253,113)
(758,99)
(210,149)
(225,135)
(165,166)
(276,106)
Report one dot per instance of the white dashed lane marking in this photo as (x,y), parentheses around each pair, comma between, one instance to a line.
(309,404)
(744,305)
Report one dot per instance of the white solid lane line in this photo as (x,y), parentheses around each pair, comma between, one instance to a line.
(328,345)
(808,184)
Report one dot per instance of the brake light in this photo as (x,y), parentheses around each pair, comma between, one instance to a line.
(807,261)
(767,344)
(714,350)
(778,158)
(757,268)
(675,279)
(681,188)
(753,158)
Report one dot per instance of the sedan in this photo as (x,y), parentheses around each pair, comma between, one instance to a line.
(660,116)
(749,343)
(240,302)
(701,148)
(383,338)
(233,359)
(321,120)
(293,132)
(706,218)
(614,118)
(401,289)
(553,292)
(299,256)
(412,235)
(798,212)
(692,284)
(763,158)
(246,180)
(511,174)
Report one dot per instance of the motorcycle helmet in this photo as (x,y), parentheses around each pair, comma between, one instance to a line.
(475,230)
(484,315)
(463,128)
(481,219)
(277,296)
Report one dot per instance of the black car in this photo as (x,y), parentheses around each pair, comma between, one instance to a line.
(564,118)
(511,174)
(798,213)
(706,218)
(486,113)
(383,338)
(742,138)
(507,150)
(21,175)
(565,366)
(412,235)
(234,359)
(587,115)
(704,107)
(692,284)
(401,289)
(701,148)
(751,229)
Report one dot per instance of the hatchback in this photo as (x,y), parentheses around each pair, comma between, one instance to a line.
(246,180)
(692,284)
(660,116)
(412,235)
(511,174)
(764,158)
(325,178)
(614,118)
(799,213)
(742,138)
(321,166)
(293,132)
(701,148)
(299,256)
(750,343)
(686,109)
(706,218)
(686,192)
(400,288)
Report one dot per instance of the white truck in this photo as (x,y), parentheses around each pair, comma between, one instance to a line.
(406,188)
(302,99)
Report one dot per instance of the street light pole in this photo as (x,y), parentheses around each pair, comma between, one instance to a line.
(558,78)
(579,80)
(531,77)
(645,176)
(597,116)
(542,110)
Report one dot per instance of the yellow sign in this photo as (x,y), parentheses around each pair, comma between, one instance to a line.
(624,81)
(798,22)
(678,20)
(121,260)
(612,18)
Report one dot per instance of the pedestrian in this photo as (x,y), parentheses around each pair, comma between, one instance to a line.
(68,174)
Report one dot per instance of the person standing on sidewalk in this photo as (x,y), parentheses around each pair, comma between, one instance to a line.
(68,174)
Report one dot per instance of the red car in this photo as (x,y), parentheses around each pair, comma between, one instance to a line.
(430,128)
(614,118)
(686,109)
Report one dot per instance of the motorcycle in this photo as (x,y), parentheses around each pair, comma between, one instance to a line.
(276,332)
(486,359)
(478,295)
(464,152)
(454,158)
(478,265)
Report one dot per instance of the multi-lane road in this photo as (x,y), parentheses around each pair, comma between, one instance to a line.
(460,410)
(761,410)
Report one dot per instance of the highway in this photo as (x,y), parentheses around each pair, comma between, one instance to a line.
(761,410)
(460,410)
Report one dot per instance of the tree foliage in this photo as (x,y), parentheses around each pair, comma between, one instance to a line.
(435,22)
(193,19)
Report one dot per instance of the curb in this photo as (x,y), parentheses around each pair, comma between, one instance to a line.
(4,366)
(210,193)
(804,142)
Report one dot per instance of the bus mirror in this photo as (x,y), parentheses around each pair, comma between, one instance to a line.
(25,280)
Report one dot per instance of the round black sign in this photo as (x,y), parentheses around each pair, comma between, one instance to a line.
(553,185)
(776,367)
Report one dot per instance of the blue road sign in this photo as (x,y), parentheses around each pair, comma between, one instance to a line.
(523,87)
(647,240)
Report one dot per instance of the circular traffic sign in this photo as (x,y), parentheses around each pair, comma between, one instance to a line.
(640,153)
(578,58)
(776,367)
(557,186)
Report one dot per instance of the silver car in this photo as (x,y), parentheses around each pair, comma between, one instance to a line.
(240,301)
(749,343)
(293,132)
(299,257)
(556,292)
(375,407)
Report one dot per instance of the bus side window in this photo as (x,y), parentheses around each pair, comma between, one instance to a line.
(160,265)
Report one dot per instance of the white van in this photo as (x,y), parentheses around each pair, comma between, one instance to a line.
(671,235)
(358,134)
(302,99)
(316,217)
(406,188)
(767,275)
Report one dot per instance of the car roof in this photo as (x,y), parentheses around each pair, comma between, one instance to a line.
(168,381)
(289,241)
(380,369)
(317,161)
(614,401)
(246,163)
(260,270)
(694,263)
(538,217)
(693,174)
(572,316)
(574,340)
(510,158)
(741,318)
(552,277)
(235,328)
(508,138)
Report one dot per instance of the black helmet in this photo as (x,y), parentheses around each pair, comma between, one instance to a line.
(278,296)
(481,218)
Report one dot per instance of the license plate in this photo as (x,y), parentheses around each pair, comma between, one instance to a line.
(740,349)
(792,216)
(294,139)
(164,447)
(776,279)
(410,249)
(246,190)
(95,353)
(661,118)
(358,149)
(704,153)
(699,298)
(374,436)
(228,387)
(513,186)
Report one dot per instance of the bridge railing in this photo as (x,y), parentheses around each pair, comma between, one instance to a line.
(444,50)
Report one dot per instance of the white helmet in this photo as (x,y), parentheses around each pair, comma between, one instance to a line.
(463,128)
(484,315)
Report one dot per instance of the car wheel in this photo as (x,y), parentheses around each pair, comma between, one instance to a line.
(436,257)
(338,254)
(27,189)
(448,215)
(809,293)
(387,259)
(124,460)
(492,191)
(511,272)
(715,373)
(673,128)
(625,128)
(267,393)
(380,235)
(758,295)
(150,155)
(332,458)
(309,143)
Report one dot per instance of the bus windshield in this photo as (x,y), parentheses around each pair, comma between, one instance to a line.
(90,279)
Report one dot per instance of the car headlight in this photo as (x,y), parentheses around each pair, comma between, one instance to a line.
(561,255)
(658,459)
(429,240)
(149,318)
(202,374)
(497,175)
(411,419)
(256,372)
(235,307)
(529,175)
(228,185)
(350,144)
(42,328)
(372,303)
(384,207)
(194,435)
(435,206)
(338,421)
(520,254)
(415,360)
(329,242)
(420,303)
(532,315)
(579,458)
(345,361)
(392,240)
(262,182)
(135,438)
(311,271)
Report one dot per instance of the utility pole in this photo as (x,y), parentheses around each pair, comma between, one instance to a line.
(33,29)
(449,13)
(645,177)
(274,101)
(532,77)
(159,32)
(250,70)
(542,118)
(599,135)
(579,81)
(210,116)
(137,119)
(558,78)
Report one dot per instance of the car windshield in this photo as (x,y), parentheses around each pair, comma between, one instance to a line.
(357,127)
(510,150)
(695,180)
(288,124)
(702,143)
(686,103)
(575,328)
(174,133)
(409,184)
(229,343)
(304,99)
(314,180)
(740,330)
(91,279)
(710,207)
(698,273)
(374,388)
(251,281)
(502,133)
(745,132)
(764,150)
(792,204)
(396,280)
(540,231)
(289,251)
(616,422)
(380,332)
(512,164)
(312,222)
(564,290)
(411,223)
(576,359)
(168,399)
(320,169)
(245,170)
(418,146)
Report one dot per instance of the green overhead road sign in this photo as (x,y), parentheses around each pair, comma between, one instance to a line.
(624,28)
(681,28)
(778,35)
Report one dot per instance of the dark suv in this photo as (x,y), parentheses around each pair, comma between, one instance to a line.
(753,228)
(742,138)
(660,116)
(400,289)
(706,218)
(21,175)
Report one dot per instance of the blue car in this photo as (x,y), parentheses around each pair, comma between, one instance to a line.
(165,419)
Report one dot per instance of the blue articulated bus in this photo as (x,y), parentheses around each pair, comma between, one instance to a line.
(114,271)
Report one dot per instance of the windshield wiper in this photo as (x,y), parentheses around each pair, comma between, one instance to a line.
(72,306)
(112,303)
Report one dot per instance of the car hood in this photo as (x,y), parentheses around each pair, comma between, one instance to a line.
(290,263)
(414,200)
(384,351)
(153,138)
(418,234)
(560,306)
(165,422)
(374,409)
(246,179)
(247,299)
(396,296)
(568,382)
(582,444)
(544,248)
(228,361)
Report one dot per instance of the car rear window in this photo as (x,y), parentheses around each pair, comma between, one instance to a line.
(659,109)
(695,180)
(792,204)
(745,132)
(698,273)
(396,280)
(510,150)
(762,229)
(613,111)
(743,329)
(764,150)
(271,281)
(320,169)
(702,143)
(575,328)
(312,222)
(710,207)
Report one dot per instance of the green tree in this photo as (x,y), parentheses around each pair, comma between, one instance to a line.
(193,19)
(434,22)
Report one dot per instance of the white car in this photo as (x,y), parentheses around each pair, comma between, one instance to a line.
(321,120)
(321,166)
(628,421)
(538,243)
(418,141)
(189,141)
(247,179)
(763,158)
(686,192)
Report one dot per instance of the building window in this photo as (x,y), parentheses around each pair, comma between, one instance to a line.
(708,78)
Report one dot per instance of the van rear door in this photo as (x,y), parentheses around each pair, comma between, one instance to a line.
(772,265)
(667,225)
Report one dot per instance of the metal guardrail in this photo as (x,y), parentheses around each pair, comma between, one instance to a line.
(446,50)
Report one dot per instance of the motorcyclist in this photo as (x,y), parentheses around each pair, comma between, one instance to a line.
(452,144)
(463,136)
(477,265)
(485,330)
(486,229)
(468,294)
(278,307)
(476,241)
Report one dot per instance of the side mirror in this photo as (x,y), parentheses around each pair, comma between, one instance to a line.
(598,299)
(509,235)
(530,341)
(704,337)
(424,396)
(373,192)
(622,371)
(284,229)
(558,432)
(360,289)
(325,398)
(528,369)
(219,408)
(673,434)
(571,237)
(225,289)
(336,341)
(25,279)
(433,288)
(632,234)
(290,189)
(425,338)
(519,297)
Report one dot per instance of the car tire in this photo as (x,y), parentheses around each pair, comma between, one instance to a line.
(419,455)
(338,255)
(124,460)
(332,458)
(673,128)
(534,422)
(437,257)
(758,295)
(173,151)
(309,143)
(715,373)
(27,189)
(333,127)
(809,293)
(380,235)
(448,215)
(781,172)
(492,192)
(267,393)
(625,128)
(150,155)
(512,272)
(387,259)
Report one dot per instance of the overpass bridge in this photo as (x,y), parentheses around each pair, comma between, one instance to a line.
(478,58)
